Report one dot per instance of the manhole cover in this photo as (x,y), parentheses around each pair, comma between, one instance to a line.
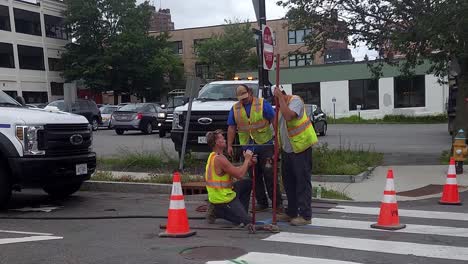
(426,190)
(212,253)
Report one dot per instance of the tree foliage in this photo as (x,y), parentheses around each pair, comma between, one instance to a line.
(433,30)
(230,51)
(111,48)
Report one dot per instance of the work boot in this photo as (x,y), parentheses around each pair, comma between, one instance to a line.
(300,221)
(283,217)
(210,214)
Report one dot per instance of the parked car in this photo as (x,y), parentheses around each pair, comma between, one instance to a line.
(85,108)
(139,116)
(106,113)
(318,118)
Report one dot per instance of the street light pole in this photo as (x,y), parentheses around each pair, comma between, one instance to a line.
(263,79)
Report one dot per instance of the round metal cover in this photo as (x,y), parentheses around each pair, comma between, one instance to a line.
(209,253)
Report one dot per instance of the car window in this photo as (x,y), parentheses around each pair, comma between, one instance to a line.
(107,110)
(132,108)
(150,109)
(76,107)
(83,105)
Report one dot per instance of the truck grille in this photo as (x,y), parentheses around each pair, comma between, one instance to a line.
(56,139)
(219,120)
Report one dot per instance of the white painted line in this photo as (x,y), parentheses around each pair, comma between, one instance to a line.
(402,212)
(391,247)
(270,258)
(4,241)
(412,229)
(25,233)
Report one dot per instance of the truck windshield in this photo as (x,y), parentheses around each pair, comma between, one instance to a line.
(223,91)
(6,100)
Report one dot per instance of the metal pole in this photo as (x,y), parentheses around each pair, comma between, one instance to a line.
(334,113)
(253,195)
(275,158)
(192,83)
(263,79)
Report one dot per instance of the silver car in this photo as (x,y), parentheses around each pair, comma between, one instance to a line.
(106,113)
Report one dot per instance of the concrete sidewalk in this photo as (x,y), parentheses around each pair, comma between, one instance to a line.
(407,178)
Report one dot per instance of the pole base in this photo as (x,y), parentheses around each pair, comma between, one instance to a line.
(182,235)
(459,167)
(393,227)
(451,203)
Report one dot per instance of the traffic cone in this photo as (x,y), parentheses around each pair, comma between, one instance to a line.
(388,217)
(450,194)
(177,220)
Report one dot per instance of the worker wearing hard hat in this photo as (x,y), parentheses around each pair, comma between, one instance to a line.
(297,136)
(252,117)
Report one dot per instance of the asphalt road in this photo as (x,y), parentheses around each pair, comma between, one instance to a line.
(337,234)
(401,144)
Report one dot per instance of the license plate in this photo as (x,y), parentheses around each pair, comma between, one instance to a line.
(201,140)
(81,169)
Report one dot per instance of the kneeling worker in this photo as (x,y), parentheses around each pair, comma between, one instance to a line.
(228,200)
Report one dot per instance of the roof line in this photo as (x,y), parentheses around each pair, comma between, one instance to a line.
(219,25)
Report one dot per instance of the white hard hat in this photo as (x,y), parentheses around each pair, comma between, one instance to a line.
(273,89)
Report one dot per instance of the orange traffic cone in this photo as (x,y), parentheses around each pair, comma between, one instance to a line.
(450,194)
(177,220)
(388,217)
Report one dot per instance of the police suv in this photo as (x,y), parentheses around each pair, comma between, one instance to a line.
(42,149)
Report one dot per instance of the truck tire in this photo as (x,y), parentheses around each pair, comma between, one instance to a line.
(5,186)
(62,191)
(162,133)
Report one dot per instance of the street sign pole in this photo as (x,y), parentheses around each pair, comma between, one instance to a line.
(263,80)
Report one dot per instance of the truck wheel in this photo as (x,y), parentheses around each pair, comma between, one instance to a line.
(162,133)
(119,131)
(95,124)
(62,191)
(5,187)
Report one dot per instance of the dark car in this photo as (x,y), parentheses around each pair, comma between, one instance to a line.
(85,108)
(165,117)
(139,116)
(318,118)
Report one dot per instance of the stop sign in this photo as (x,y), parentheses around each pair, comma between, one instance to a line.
(268,48)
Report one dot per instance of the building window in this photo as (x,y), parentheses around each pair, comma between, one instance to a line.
(55,64)
(196,43)
(178,47)
(364,93)
(338,56)
(31,58)
(297,36)
(55,27)
(35,97)
(309,92)
(27,22)
(204,71)
(4,18)
(7,59)
(410,92)
(56,89)
(298,60)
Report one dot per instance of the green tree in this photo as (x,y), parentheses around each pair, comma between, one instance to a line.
(230,51)
(111,48)
(433,30)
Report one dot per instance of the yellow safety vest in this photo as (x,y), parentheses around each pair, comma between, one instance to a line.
(255,127)
(219,187)
(301,132)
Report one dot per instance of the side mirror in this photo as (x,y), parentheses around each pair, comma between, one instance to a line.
(20,100)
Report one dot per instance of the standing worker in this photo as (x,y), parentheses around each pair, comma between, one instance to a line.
(252,118)
(297,136)
(228,200)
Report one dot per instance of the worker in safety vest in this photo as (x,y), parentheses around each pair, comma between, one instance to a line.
(228,200)
(252,117)
(297,136)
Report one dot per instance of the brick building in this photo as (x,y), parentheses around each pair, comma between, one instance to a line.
(161,20)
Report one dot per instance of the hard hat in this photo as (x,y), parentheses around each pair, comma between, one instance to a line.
(280,87)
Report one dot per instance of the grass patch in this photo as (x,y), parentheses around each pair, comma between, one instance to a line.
(162,179)
(445,157)
(392,119)
(343,162)
(330,194)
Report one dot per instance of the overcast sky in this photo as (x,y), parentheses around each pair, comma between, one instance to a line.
(200,13)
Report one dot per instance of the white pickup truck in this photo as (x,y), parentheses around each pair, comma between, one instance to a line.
(43,149)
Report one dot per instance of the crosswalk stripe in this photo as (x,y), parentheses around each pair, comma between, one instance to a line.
(270,258)
(27,239)
(392,247)
(410,228)
(24,233)
(402,212)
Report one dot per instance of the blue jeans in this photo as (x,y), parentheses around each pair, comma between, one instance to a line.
(236,210)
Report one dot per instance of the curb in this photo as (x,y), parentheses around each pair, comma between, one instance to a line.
(126,187)
(344,178)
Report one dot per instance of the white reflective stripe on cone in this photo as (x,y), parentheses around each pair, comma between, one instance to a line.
(177,204)
(451,181)
(176,188)
(389,198)
(390,185)
(451,170)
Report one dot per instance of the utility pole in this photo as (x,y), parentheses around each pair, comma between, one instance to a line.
(263,80)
